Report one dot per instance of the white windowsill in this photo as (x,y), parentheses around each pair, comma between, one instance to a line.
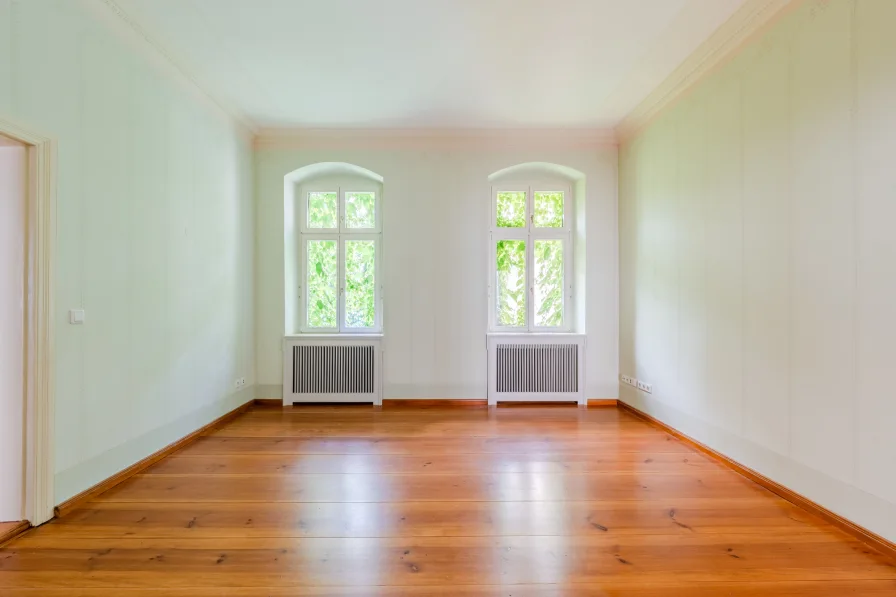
(334,336)
(534,334)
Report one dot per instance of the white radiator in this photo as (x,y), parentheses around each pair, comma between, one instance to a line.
(331,370)
(536,367)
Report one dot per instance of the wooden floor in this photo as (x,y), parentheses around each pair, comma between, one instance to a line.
(527,502)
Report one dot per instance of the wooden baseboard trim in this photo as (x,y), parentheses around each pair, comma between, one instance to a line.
(433,403)
(601,402)
(88,494)
(12,533)
(862,534)
(269,402)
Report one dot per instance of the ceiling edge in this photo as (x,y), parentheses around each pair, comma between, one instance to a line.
(411,138)
(151,45)
(751,18)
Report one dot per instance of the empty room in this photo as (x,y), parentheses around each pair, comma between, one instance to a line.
(447,298)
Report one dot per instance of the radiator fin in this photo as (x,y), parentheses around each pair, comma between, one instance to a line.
(333,369)
(537,368)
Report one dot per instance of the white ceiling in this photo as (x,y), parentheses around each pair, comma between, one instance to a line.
(430,63)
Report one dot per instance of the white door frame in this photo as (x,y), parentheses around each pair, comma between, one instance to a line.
(39,380)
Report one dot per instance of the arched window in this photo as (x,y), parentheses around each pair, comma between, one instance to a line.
(338,216)
(531,241)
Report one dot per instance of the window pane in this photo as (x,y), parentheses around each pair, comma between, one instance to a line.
(511,295)
(360,284)
(511,209)
(549,210)
(548,283)
(322,210)
(322,283)
(360,210)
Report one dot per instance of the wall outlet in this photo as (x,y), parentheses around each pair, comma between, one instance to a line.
(243,382)
(645,387)
(236,384)
(629,380)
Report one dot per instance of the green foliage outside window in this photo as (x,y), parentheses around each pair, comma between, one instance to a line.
(548,283)
(511,295)
(548,210)
(322,283)
(511,209)
(360,283)
(322,210)
(360,210)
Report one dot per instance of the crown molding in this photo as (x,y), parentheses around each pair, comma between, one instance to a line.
(751,18)
(151,45)
(484,139)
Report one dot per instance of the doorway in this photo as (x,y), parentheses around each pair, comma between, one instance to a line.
(27,233)
(13,227)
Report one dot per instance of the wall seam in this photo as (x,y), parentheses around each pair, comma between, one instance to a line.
(743,258)
(790,255)
(854,165)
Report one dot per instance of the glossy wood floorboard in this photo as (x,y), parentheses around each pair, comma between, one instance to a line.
(530,502)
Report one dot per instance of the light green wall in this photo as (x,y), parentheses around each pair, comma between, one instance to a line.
(758,263)
(154,239)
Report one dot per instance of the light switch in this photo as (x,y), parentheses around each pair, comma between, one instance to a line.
(76,316)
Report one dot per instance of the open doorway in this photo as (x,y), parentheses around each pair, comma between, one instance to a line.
(27,231)
(13,227)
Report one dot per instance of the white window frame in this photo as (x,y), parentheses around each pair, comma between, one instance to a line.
(530,233)
(340,235)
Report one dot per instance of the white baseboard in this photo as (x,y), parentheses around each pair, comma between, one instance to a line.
(393,391)
(269,390)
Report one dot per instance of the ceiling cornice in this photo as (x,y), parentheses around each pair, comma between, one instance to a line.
(433,138)
(751,18)
(152,45)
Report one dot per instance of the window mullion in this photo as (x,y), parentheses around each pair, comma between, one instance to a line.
(340,209)
(530,284)
(340,222)
(340,302)
(530,259)
(530,210)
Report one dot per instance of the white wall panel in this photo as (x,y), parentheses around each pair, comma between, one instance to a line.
(874,150)
(154,235)
(435,258)
(767,224)
(823,295)
(781,237)
(723,196)
(690,220)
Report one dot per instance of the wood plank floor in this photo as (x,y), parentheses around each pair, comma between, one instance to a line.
(351,501)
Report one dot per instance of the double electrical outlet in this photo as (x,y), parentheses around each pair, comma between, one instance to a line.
(644,387)
(240,383)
